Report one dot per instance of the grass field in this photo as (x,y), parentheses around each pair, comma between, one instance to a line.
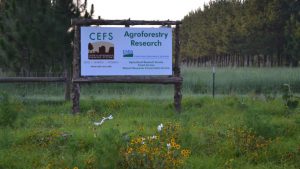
(248,125)
(197,81)
(228,132)
(241,80)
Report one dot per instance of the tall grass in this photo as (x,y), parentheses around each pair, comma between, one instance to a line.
(240,80)
(197,81)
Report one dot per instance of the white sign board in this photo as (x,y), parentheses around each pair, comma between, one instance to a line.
(126,51)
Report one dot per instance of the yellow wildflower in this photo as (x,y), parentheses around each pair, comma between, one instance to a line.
(129,150)
(177,146)
(185,153)
(173,144)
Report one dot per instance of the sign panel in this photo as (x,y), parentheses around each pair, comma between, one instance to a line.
(126,51)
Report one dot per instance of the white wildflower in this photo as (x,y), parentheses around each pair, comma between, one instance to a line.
(168,146)
(153,137)
(159,127)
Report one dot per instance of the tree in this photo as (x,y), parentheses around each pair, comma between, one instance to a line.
(292,35)
(258,31)
(35,34)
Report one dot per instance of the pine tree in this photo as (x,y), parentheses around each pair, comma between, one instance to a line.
(246,32)
(35,34)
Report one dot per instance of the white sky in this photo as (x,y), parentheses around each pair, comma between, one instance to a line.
(145,9)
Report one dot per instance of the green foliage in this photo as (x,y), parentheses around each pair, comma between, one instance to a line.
(8,111)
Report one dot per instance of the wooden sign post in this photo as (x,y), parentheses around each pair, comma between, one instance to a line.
(175,78)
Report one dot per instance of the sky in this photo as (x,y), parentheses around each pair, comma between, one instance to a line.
(145,9)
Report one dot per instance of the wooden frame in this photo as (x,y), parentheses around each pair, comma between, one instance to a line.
(175,79)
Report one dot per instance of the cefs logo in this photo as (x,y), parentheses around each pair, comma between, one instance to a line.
(101,50)
(127,53)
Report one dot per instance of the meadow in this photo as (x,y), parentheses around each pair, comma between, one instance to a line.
(197,82)
(249,124)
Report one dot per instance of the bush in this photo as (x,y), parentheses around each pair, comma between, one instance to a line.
(8,111)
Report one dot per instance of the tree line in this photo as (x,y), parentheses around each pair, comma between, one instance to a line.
(36,35)
(242,33)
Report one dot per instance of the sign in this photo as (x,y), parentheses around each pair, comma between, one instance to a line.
(108,51)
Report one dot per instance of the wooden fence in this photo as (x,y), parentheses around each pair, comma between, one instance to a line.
(62,79)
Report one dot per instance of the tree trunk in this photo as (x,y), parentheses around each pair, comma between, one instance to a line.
(25,62)
(248,61)
(265,61)
(271,60)
(278,59)
(295,62)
